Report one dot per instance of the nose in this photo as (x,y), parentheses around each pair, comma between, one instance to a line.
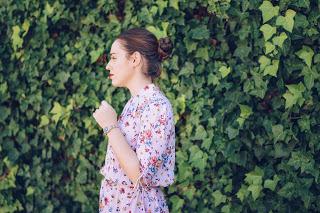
(107,66)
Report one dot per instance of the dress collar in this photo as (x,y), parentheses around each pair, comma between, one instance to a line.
(148,89)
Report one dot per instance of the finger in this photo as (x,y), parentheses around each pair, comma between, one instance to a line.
(104,110)
(105,103)
(104,106)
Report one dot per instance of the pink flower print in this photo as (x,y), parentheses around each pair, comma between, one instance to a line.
(122,190)
(154,160)
(106,200)
(162,120)
(148,134)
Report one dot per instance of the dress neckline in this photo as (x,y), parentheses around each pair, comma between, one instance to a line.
(146,89)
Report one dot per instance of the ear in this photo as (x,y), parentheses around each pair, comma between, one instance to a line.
(136,58)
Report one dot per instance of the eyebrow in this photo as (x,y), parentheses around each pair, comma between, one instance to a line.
(112,53)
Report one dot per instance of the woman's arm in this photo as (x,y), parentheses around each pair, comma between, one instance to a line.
(127,157)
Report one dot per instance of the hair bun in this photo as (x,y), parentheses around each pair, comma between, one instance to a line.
(164,48)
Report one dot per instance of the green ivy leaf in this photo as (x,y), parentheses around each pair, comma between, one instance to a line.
(213,80)
(57,111)
(226,208)
(245,112)
(178,203)
(95,55)
(243,192)
(190,45)
(200,133)
(218,198)
(157,32)
(294,95)
(277,131)
(287,190)
(174,4)
(161,5)
(302,160)
(80,196)
(187,69)
(264,61)
(269,47)
(202,53)
(232,132)
(286,21)
(309,76)
(271,184)
(272,69)
(200,33)
(44,121)
(69,57)
(25,27)
(9,181)
(304,123)
(254,177)
(255,190)
(181,103)
(278,40)
(224,71)
(198,158)
(242,50)
(267,31)
(30,190)
(268,11)
(16,39)
(48,9)
(306,54)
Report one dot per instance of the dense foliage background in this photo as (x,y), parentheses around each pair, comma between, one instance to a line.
(243,81)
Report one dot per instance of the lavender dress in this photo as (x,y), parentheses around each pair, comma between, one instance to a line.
(147,123)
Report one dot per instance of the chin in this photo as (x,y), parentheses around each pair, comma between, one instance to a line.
(115,84)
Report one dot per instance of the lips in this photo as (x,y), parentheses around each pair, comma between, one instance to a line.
(110,75)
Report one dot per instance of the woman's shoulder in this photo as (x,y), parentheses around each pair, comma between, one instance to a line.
(156,102)
(160,99)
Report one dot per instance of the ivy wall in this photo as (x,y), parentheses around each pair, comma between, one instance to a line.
(243,80)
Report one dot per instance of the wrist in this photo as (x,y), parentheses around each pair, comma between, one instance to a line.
(112,132)
(108,128)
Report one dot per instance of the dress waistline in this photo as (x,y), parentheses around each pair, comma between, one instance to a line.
(110,182)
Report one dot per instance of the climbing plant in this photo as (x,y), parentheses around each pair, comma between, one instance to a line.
(243,81)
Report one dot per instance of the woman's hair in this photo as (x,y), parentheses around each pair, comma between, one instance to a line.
(147,44)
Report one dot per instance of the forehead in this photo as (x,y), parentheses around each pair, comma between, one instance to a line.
(116,48)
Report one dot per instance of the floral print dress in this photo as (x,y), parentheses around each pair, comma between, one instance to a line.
(147,123)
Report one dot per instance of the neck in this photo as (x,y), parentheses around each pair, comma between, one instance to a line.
(137,85)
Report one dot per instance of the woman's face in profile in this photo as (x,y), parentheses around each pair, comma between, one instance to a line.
(120,71)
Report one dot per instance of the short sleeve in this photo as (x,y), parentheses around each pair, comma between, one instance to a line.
(156,145)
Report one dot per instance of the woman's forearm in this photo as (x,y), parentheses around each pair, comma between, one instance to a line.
(127,157)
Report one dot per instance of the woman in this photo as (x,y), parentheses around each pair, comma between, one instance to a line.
(141,143)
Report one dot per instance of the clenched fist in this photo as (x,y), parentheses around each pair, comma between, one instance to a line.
(105,115)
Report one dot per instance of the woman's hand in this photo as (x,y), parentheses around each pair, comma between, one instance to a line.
(105,115)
